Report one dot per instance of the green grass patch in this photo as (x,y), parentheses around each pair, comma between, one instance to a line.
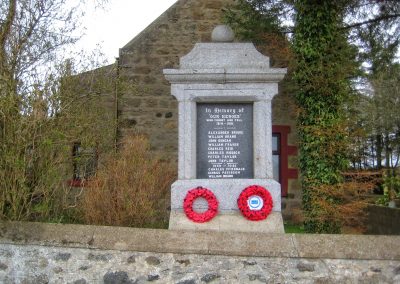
(294,229)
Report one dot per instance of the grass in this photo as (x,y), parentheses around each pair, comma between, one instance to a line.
(294,229)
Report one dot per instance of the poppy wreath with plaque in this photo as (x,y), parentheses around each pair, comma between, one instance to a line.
(255,203)
(212,201)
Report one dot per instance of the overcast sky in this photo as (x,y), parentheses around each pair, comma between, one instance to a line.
(118,23)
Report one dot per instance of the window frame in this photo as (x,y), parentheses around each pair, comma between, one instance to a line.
(285,173)
(77,152)
(277,153)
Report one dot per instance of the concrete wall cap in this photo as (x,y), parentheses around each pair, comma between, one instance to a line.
(200,242)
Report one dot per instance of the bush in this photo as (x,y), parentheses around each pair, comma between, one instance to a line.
(391,187)
(344,205)
(132,189)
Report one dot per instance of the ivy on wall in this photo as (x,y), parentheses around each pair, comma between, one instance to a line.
(321,74)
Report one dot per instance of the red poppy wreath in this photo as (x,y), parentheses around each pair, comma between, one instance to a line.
(255,203)
(191,196)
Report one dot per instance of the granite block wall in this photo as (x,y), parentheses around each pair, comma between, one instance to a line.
(42,264)
(383,220)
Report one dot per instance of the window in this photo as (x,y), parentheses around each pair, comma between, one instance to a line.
(276,152)
(84,162)
(280,157)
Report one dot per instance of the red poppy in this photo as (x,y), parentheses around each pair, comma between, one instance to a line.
(191,196)
(262,206)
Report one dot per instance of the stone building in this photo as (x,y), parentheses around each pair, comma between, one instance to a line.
(145,103)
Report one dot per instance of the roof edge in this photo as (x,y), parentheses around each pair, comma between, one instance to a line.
(151,25)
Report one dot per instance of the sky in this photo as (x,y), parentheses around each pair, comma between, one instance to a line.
(118,23)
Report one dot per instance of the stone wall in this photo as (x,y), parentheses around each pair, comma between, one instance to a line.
(284,111)
(383,220)
(46,253)
(42,264)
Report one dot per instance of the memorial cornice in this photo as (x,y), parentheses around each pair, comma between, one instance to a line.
(223,76)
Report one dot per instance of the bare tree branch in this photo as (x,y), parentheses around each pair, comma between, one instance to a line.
(5,29)
(371,21)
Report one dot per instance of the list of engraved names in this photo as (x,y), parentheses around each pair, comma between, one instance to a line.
(224,140)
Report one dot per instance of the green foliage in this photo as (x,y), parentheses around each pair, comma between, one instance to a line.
(41,111)
(391,188)
(375,115)
(324,64)
(37,139)
(383,200)
(293,229)
(249,23)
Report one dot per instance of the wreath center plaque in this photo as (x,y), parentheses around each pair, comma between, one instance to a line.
(224,140)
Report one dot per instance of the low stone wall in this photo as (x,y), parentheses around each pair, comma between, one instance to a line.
(383,220)
(46,253)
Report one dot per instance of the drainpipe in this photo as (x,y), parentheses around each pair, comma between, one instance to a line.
(116,106)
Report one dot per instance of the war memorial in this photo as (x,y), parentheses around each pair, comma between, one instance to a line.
(224,92)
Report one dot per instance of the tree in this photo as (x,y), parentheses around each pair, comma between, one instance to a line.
(377,116)
(252,21)
(378,108)
(321,75)
(39,115)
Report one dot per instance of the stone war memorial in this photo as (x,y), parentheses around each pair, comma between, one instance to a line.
(224,91)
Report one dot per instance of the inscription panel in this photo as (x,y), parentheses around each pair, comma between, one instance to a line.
(224,140)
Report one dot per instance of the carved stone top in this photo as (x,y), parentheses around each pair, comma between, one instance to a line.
(224,55)
(222,33)
(222,61)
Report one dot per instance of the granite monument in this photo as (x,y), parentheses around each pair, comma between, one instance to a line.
(224,90)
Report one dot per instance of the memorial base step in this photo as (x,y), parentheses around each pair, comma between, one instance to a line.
(228,222)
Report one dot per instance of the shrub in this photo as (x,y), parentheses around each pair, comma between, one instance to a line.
(391,187)
(132,189)
(344,204)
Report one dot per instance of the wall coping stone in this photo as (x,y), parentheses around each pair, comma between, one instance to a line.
(366,247)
